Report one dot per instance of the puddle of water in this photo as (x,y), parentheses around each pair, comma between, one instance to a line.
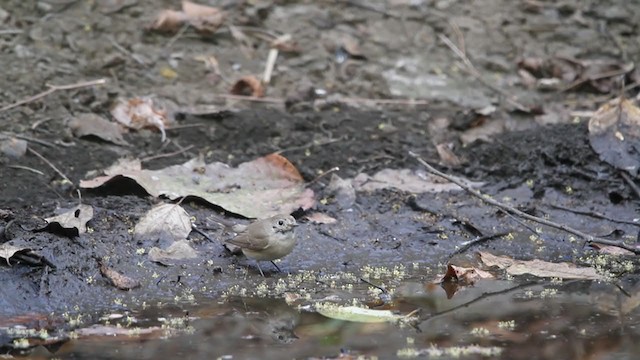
(502,319)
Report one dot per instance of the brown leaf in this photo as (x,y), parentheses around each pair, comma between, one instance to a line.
(465,275)
(248,86)
(118,280)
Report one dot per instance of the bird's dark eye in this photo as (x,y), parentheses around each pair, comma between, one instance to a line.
(280,222)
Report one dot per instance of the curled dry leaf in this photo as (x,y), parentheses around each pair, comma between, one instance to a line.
(118,280)
(205,19)
(464,275)
(139,113)
(614,133)
(248,86)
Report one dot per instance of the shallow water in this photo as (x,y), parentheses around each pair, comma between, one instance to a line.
(502,319)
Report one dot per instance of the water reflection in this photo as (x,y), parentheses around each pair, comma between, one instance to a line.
(504,319)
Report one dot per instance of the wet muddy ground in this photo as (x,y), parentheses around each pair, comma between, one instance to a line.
(387,248)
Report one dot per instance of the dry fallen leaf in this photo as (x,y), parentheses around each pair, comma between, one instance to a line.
(74,219)
(140,113)
(179,250)
(205,19)
(465,275)
(118,280)
(163,224)
(7,250)
(320,218)
(406,180)
(261,188)
(248,86)
(94,125)
(614,133)
(540,268)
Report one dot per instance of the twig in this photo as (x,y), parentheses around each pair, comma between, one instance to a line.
(52,89)
(306,146)
(26,168)
(372,8)
(630,182)
(604,75)
(384,101)
(476,74)
(468,244)
(332,170)
(176,36)
(251,98)
(514,211)
(479,298)
(204,234)
(50,164)
(27,138)
(160,156)
(271,63)
(593,214)
(374,285)
(121,48)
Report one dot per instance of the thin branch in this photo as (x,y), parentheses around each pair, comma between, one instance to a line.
(26,168)
(62,175)
(514,211)
(594,214)
(630,182)
(476,74)
(159,156)
(51,90)
(468,244)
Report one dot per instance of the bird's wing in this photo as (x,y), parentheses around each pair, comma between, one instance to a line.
(245,241)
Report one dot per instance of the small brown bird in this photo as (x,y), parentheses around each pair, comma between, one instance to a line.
(267,239)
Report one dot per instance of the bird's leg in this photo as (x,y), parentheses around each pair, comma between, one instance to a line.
(261,273)
(274,264)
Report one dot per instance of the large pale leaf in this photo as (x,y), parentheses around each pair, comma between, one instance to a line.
(261,188)
(166,224)
(540,268)
(356,314)
(406,180)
